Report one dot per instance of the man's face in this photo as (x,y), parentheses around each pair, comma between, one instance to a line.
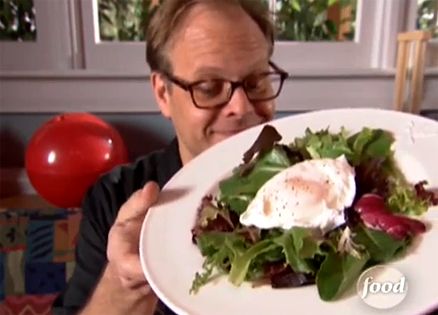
(213,43)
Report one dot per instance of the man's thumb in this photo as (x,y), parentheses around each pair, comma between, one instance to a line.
(139,202)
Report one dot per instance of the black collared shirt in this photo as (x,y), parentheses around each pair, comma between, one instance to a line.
(100,208)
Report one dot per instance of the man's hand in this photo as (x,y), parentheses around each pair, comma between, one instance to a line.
(124,237)
(123,288)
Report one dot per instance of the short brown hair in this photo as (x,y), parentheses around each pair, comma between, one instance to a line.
(166,18)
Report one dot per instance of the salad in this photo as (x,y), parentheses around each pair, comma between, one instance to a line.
(317,211)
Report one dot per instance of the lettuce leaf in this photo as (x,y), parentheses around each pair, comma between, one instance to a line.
(380,246)
(322,144)
(220,250)
(337,273)
(299,245)
(238,191)
(359,147)
(227,252)
(240,265)
(403,198)
(370,152)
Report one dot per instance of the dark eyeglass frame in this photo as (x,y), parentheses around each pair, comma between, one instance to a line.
(188,86)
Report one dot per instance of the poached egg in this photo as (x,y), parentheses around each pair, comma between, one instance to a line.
(310,194)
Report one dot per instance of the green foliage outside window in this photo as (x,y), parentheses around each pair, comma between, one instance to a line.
(427,16)
(303,20)
(309,20)
(17,20)
(124,20)
(298,20)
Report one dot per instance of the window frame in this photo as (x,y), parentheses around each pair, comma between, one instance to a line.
(79,45)
(53,21)
(119,57)
(371,48)
(85,76)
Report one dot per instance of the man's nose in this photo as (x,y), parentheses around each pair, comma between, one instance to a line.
(239,104)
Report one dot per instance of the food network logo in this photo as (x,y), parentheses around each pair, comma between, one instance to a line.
(382,287)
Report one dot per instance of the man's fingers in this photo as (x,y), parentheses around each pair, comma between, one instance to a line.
(131,269)
(139,203)
(124,235)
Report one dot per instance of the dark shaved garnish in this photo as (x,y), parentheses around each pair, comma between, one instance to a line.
(294,155)
(371,178)
(251,234)
(427,195)
(211,217)
(264,142)
(287,278)
(280,275)
(352,217)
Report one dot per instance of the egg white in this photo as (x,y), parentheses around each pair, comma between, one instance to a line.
(311,194)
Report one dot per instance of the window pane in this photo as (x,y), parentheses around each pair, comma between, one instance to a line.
(427,16)
(299,20)
(124,20)
(315,20)
(17,20)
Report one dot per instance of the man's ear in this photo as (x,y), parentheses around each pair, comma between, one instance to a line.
(161,93)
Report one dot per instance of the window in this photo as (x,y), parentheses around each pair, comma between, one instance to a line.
(320,20)
(107,35)
(309,33)
(427,19)
(427,16)
(297,20)
(355,53)
(29,29)
(17,21)
(89,55)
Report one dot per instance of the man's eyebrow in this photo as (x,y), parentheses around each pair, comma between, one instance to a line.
(208,70)
(219,72)
(257,68)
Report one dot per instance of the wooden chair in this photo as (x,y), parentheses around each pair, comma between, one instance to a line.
(409,42)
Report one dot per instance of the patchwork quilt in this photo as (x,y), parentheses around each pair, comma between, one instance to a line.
(36,257)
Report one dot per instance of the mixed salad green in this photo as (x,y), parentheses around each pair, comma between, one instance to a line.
(299,256)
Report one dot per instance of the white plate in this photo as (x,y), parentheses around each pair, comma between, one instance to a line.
(170,260)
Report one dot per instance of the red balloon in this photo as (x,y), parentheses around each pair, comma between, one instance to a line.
(69,153)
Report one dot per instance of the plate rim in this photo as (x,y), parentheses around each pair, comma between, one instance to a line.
(174,305)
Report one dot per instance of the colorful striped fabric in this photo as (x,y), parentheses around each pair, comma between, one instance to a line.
(36,257)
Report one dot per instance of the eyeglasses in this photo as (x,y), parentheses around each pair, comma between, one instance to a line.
(215,93)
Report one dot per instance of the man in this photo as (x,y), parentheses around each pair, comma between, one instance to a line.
(212,77)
